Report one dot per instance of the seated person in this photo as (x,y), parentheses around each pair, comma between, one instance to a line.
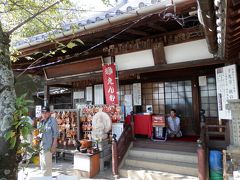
(174,125)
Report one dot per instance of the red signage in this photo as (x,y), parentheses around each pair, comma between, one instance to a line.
(110,84)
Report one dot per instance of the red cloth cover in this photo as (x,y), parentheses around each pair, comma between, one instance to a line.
(143,124)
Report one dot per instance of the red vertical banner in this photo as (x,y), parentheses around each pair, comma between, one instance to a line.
(110,84)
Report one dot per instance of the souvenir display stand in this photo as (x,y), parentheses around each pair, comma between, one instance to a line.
(92,120)
(68,125)
(86,164)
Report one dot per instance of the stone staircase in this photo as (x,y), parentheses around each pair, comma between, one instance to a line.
(159,164)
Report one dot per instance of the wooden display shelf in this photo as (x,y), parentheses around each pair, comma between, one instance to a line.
(86,165)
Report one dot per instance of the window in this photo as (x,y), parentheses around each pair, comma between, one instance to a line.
(209,98)
(178,95)
(124,90)
(153,94)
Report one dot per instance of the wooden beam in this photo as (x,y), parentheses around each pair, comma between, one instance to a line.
(182,65)
(234,36)
(209,19)
(232,46)
(236,3)
(157,27)
(163,67)
(232,31)
(233,24)
(159,54)
(232,39)
(231,54)
(62,85)
(137,32)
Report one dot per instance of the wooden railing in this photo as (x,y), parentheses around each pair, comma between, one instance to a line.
(217,136)
(120,147)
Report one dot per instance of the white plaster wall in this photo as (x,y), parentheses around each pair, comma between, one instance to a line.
(194,50)
(135,60)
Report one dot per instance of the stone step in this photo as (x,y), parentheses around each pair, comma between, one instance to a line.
(134,173)
(178,156)
(173,146)
(163,165)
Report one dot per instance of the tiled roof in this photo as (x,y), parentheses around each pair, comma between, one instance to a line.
(123,7)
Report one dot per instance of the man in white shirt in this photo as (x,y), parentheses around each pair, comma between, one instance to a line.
(174,125)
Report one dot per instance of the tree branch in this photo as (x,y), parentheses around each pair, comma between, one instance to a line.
(32,17)
(30,13)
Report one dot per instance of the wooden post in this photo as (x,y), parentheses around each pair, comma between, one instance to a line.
(201,161)
(46,95)
(114,156)
(132,125)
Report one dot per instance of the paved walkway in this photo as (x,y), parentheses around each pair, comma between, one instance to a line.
(61,167)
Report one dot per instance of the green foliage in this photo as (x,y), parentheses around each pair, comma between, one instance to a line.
(21,126)
(13,12)
(19,135)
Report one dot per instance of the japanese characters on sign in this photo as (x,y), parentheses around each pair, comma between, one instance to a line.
(227,88)
(137,94)
(110,85)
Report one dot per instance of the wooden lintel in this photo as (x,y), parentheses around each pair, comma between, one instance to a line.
(61,85)
(95,76)
(158,53)
(164,67)
(137,32)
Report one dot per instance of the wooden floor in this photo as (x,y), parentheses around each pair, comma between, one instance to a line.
(167,145)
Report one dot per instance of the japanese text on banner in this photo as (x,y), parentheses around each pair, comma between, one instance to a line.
(110,85)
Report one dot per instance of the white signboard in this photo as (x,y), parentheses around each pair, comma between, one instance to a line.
(38,111)
(78,95)
(202,80)
(89,93)
(98,94)
(227,88)
(137,94)
(117,128)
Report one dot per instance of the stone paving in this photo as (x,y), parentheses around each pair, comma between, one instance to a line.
(61,167)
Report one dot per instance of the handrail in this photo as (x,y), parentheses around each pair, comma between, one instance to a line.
(120,147)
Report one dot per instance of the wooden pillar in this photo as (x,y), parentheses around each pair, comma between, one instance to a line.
(112,59)
(114,156)
(158,53)
(46,94)
(196,104)
(132,125)
(201,162)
